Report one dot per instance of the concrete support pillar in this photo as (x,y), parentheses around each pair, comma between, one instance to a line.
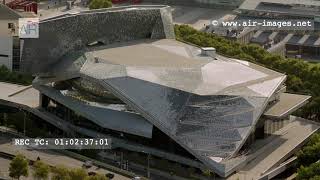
(259,130)
(43,101)
(148,166)
(300,50)
(5,119)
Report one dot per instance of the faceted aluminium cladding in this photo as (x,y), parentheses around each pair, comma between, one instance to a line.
(207,106)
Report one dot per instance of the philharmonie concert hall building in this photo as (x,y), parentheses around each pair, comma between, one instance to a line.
(120,73)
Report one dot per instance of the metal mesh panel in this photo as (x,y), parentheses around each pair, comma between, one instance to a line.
(208,125)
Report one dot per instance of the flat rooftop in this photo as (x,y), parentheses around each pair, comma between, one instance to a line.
(287,104)
(262,38)
(305,40)
(20,94)
(8,14)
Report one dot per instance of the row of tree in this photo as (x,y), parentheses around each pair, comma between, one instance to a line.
(19,167)
(303,77)
(309,159)
(311,172)
(310,153)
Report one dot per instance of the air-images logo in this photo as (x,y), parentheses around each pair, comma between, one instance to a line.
(29,27)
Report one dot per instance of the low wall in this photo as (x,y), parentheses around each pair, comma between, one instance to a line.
(229,4)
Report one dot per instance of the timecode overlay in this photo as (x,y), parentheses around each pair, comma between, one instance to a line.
(63,143)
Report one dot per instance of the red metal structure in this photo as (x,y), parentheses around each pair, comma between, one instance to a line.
(26,5)
(122,1)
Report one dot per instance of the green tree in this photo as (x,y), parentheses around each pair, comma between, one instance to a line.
(311,172)
(78,174)
(97,177)
(98,4)
(310,153)
(314,139)
(41,170)
(207,172)
(315,178)
(19,167)
(7,76)
(60,173)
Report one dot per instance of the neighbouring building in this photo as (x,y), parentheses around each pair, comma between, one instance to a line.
(10,44)
(229,4)
(9,40)
(292,43)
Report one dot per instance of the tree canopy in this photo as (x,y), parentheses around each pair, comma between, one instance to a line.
(78,174)
(18,167)
(41,170)
(98,4)
(311,172)
(60,173)
(97,177)
(63,173)
(7,76)
(311,152)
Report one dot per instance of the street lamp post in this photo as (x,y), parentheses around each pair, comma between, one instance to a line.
(24,122)
(5,117)
(148,171)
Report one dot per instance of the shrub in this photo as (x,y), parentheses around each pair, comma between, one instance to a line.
(98,4)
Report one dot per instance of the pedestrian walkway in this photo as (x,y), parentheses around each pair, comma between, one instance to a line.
(281,146)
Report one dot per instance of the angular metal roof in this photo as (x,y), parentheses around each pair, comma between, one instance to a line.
(208,106)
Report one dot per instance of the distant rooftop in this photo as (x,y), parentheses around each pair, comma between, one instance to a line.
(93,11)
(307,7)
(8,14)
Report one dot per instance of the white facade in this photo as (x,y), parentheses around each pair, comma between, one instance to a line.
(6,45)
(8,29)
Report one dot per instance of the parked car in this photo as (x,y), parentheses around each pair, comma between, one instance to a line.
(88,164)
(136,178)
(91,173)
(110,175)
